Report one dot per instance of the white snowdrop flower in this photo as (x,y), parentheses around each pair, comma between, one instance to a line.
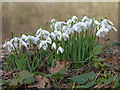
(53,20)
(110,22)
(114,28)
(106,25)
(69,23)
(22,43)
(65,36)
(32,39)
(58,25)
(9,46)
(52,23)
(43,44)
(96,22)
(53,46)
(35,40)
(77,27)
(17,41)
(39,31)
(101,32)
(74,19)
(48,40)
(45,34)
(59,35)
(64,28)
(60,49)
(85,18)
(23,37)
(53,35)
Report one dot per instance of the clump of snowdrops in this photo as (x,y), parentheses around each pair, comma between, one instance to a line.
(73,40)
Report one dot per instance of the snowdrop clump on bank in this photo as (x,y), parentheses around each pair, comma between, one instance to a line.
(64,36)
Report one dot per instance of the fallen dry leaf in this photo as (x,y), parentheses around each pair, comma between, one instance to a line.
(42,82)
(59,66)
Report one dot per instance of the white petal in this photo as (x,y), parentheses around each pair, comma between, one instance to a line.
(114,28)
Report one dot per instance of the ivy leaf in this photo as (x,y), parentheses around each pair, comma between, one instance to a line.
(117,82)
(26,77)
(98,49)
(82,79)
(100,59)
(87,85)
(96,64)
(109,80)
(14,82)
(104,66)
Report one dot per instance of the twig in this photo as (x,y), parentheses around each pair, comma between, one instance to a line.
(73,86)
(97,75)
(114,80)
(42,64)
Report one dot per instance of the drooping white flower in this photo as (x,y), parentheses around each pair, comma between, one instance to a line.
(65,36)
(23,37)
(53,46)
(9,46)
(58,25)
(39,31)
(69,23)
(22,43)
(43,44)
(52,23)
(48,40)
(53,35)
(45,34)
(59,35)
(110,22)
(78,26)
(31,39)
(101,32)
(85,18)
(114,28)
(74,19)
(60,49)
(17,41)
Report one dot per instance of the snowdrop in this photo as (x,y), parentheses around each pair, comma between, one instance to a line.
(16,41)
(52,23)
(74,19)
(85,18)
(77,27)
(58,25)
(65,36)
(39,32)
(53,35)
(48,40)
(23,37)
(59,35)
(43,44)
(53,46)
(31,39)
(69,23)
(9,46)
(60,49)
(101,32)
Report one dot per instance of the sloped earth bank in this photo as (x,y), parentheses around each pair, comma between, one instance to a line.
(58,77)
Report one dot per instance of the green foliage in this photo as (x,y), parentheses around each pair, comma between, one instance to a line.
(98,49)
(54,75)
(86,79)
(24,77)
(97,62)
(117,82)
